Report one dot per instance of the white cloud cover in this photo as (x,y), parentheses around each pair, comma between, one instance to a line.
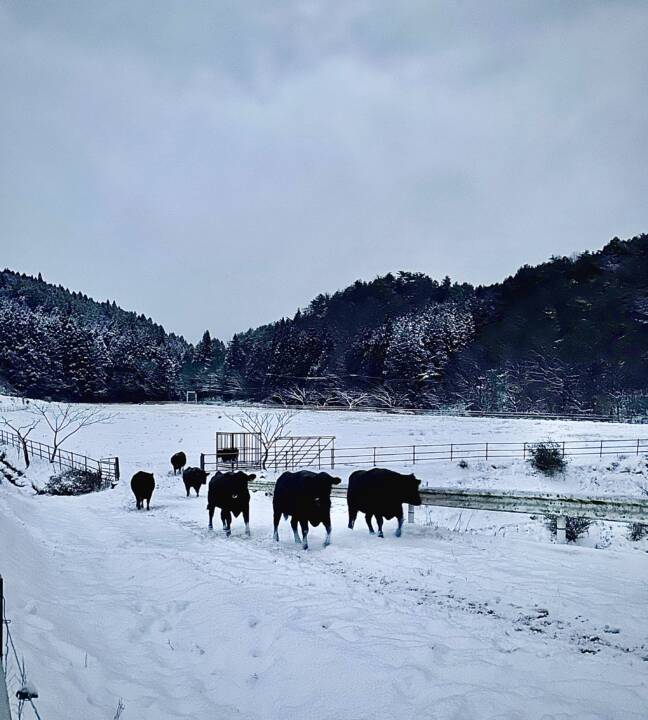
(218,164)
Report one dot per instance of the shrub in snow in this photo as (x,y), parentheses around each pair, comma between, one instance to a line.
(463,464)
(547,458)
(638,531)
(72,482)
(574,526)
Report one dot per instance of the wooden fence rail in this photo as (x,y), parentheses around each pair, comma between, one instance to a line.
(108,468)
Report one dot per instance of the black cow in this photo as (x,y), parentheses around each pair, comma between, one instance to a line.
(228,455)
(229,491)
(381,493)
(305,496)
(193,477)
(178,461)
(142,485)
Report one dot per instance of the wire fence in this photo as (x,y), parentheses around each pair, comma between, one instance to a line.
(450,452)
(20,691)
(107,468)
(320,452)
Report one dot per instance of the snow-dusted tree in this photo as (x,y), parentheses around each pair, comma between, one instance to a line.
(65,420)
(388,397)
(351,398)
(299,395)
(270,426)
(423,343)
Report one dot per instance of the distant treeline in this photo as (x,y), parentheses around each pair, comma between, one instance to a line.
(570,335)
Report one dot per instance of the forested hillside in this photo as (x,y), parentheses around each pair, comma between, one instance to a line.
(62,345)
(570,335)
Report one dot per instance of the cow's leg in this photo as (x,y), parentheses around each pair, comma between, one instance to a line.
(304,529)
(369,525)
(246,520)
(327,526)
(277,518)
(399,517)
(148,503)
(187,488)
(293,525)
(226,517)
(379,522)
(353,514)
(211,516)
(197,489)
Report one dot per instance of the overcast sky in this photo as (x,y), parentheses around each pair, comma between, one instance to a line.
(217,164)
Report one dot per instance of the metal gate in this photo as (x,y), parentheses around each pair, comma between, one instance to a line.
(288,453)
(238,450)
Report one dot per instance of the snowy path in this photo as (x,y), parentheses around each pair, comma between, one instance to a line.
(183,623)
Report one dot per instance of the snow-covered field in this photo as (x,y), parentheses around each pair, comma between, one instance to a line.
(468,615)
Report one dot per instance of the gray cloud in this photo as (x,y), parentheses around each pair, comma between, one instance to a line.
(217,164)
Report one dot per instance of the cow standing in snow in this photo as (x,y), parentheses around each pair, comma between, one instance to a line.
(305,496)
(178,461)
(193,477)
(229,491)
(142,485)
(381,494)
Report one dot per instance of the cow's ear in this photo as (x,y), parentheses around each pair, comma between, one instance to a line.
(336,481)
(251,477)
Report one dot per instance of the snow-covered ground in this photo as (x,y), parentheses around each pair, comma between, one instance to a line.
(468,615)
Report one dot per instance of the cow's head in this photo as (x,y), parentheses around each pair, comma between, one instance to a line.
(410,486)
(239,485)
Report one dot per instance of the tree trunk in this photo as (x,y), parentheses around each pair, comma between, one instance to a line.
(25,452)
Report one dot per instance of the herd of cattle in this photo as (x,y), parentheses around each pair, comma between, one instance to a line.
(302,496)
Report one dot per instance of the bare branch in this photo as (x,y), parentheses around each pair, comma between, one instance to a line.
(65,420)
(270,426)
(22,431)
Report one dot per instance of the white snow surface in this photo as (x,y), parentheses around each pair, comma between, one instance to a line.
(467,615)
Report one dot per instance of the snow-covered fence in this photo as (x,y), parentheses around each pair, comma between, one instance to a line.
(108,468)
(320,451)
(450,452)
(458,412)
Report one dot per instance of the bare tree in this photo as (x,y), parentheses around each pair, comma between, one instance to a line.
(66,419)
(388,397)
(352,398)
(22,431)
(270,426)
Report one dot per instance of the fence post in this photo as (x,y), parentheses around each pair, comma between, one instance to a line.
(563,449)
(202,461)
(451,448)
(374,457)
(637,447)
(333,458)
(1,622)
(117,475)
(413,454)
(524,452)
(486,451)
(601,450)
(410,513)
(561,529)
